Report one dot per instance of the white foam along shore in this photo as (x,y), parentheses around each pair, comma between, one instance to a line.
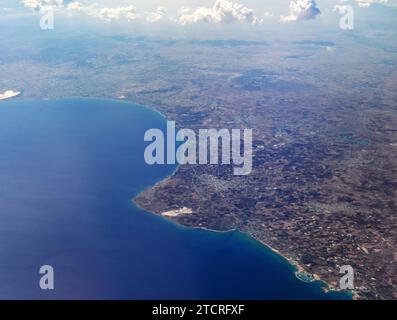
(9,94)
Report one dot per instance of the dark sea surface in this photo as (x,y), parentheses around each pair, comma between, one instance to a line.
(68,172)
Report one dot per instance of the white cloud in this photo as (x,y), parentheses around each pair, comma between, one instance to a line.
(159,15)
(111,14)
(75,6)
(108,14)
(301,10)
(367,3)
(38,4)
(223,11)
(128,13)
(184,10)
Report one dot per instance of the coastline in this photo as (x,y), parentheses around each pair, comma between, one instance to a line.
(299,269)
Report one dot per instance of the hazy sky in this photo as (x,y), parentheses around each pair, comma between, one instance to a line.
(259,6)
(233,18)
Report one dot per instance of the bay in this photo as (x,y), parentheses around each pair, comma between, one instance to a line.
(68,171)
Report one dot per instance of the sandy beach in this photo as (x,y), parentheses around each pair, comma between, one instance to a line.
(177,212)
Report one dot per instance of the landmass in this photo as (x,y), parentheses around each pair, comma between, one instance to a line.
(323,191)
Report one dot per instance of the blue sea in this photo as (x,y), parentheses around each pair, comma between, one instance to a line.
(68,172)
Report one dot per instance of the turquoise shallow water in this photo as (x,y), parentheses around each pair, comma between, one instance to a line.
(68,171)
